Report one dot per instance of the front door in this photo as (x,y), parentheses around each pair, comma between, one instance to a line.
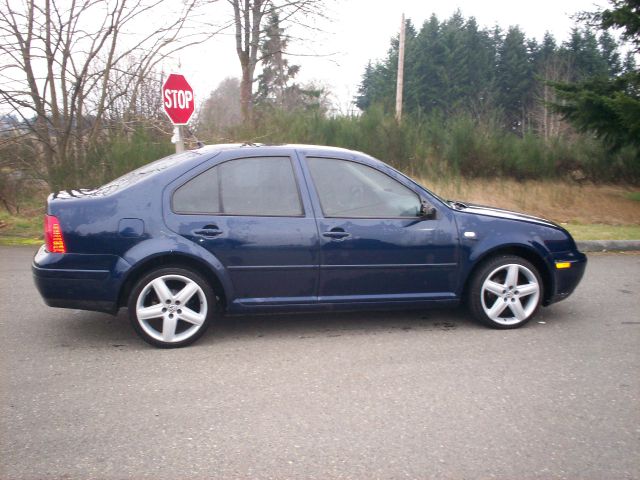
(375,246)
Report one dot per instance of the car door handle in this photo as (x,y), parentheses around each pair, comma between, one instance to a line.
(336,234)
(208,231)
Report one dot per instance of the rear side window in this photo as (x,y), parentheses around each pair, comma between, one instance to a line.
(352,190)
(264,186)
(199,195)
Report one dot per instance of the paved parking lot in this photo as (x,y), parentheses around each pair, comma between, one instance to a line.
(374,395)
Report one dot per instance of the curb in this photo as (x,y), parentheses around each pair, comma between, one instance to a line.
(608,245)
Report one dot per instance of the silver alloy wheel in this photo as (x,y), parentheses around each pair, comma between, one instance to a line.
(510,294)
(171,308)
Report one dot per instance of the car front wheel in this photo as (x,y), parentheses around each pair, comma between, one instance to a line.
(171,307)
(505,292)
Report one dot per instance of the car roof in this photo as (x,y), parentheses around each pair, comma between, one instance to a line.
(190,158)
(276,146)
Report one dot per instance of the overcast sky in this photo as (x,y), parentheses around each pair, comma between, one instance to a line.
(360,30)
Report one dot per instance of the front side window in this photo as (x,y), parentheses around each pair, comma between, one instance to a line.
(349,189)
(264,186)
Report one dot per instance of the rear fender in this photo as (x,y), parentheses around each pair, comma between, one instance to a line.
(147,250)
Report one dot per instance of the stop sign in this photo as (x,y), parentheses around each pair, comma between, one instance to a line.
(177,99)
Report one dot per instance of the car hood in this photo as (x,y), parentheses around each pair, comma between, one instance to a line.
(507,214)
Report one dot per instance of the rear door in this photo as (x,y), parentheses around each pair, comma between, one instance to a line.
(374,244)
(250,212)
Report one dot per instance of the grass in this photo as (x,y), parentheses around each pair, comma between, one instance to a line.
(26,200)
(633,196)
(604,232)
(22,229)
(19,241)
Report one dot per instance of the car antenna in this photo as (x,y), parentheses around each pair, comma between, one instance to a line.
(198,142)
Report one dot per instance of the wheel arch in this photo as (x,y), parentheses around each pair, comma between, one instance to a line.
(172,259)
(524,251)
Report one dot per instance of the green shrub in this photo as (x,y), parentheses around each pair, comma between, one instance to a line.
(421,145)
(460,144)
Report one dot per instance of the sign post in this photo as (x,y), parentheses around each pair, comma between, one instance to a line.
(178,103)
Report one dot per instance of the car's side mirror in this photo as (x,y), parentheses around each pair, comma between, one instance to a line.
(427,211)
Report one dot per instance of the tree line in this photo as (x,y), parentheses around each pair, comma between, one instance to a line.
(454,66)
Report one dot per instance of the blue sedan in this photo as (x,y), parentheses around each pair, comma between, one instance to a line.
(254,228)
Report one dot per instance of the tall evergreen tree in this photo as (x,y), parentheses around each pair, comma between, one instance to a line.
(454,65)
(426,77)
(276,86)
(629,65)
(514,78)
(480,55)
(623,15)
(610,107)
(276,70)
(610,53)
(366,93)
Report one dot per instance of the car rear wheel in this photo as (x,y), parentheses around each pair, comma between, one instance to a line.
(171,307)
(505,292)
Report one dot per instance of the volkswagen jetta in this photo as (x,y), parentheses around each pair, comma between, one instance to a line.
(246,228)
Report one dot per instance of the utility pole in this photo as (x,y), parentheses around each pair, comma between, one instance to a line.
(400,79)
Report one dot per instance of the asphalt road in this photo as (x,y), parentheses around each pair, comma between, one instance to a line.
(374,395)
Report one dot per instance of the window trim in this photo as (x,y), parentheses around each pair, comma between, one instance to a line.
(317,194)
(296,180)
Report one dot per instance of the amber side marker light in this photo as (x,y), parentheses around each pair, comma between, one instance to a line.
(53,238)
(562,265)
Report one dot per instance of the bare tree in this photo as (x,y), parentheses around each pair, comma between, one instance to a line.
(249,32)
(548,123)
(220,111)
(66,64)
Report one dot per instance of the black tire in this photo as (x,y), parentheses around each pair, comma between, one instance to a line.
(199,307)
(518,306)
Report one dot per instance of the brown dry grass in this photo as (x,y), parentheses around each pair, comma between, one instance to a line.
(559,201)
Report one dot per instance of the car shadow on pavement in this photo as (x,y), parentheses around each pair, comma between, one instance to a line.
(333,324)
(91,329)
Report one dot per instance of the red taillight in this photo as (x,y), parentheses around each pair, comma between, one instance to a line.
(53,238)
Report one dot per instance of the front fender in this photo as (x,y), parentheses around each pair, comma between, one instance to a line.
(483,236)
(479,251)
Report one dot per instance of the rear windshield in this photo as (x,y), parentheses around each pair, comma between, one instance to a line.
(145,171)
